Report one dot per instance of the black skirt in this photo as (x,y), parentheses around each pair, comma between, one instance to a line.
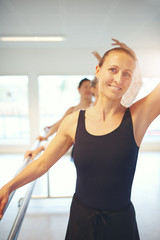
(88,224)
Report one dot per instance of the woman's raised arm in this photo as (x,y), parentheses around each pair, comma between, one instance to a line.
(144,112)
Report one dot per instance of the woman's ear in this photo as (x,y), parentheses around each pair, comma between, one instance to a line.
(97,71)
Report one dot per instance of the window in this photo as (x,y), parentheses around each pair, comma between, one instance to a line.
(14,123)
(56,95)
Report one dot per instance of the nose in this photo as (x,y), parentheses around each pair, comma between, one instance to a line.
(118,78)
(88,90)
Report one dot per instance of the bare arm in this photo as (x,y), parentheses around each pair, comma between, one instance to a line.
(53,129)
(56,125)
(97,55)
(56,149)
(144,112)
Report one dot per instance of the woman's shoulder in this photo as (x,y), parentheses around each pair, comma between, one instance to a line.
(72,117)
(69,124)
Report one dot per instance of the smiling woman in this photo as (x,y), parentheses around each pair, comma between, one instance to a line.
(116,73)
(107,137)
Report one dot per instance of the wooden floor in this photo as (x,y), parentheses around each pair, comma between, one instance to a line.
(47,218)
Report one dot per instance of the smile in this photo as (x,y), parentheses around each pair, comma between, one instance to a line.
(115,87)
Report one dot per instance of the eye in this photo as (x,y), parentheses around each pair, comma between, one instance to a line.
(127,74)
(114,70)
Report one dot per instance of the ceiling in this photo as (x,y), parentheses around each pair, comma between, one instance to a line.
(84,23)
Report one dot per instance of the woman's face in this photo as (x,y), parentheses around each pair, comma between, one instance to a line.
(115,75)
(95,90)
(85,90)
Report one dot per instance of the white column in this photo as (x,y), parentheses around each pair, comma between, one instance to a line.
(33,106)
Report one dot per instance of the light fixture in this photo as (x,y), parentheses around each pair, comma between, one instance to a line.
(32,39)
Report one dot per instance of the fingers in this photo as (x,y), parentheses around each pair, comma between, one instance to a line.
(28,154)
(31,153)
(1,210)
(116,42)
(3,202)
(94,52)
(2,206)
(123,45)
(39,138)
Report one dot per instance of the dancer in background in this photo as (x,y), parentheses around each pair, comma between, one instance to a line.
(94,90)
(84,89)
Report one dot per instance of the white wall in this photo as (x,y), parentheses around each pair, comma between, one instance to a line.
(46,61)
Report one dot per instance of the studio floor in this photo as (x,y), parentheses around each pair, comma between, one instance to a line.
(47,218)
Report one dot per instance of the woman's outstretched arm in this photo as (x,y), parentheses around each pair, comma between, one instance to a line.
(56,149)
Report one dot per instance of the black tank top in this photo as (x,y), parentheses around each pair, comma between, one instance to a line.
(105,165)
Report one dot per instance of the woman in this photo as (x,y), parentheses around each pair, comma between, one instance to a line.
(107,137)
(84,88)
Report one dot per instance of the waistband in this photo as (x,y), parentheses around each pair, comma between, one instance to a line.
(104,221)
(114,211)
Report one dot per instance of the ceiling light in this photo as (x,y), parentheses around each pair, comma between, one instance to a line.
(32,39)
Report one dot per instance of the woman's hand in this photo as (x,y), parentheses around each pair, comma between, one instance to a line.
(33,153)
(30,153)
(40,138)
(4,196)
(123,45)
(116,42)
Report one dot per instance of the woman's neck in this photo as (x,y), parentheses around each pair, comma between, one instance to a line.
(105,107)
